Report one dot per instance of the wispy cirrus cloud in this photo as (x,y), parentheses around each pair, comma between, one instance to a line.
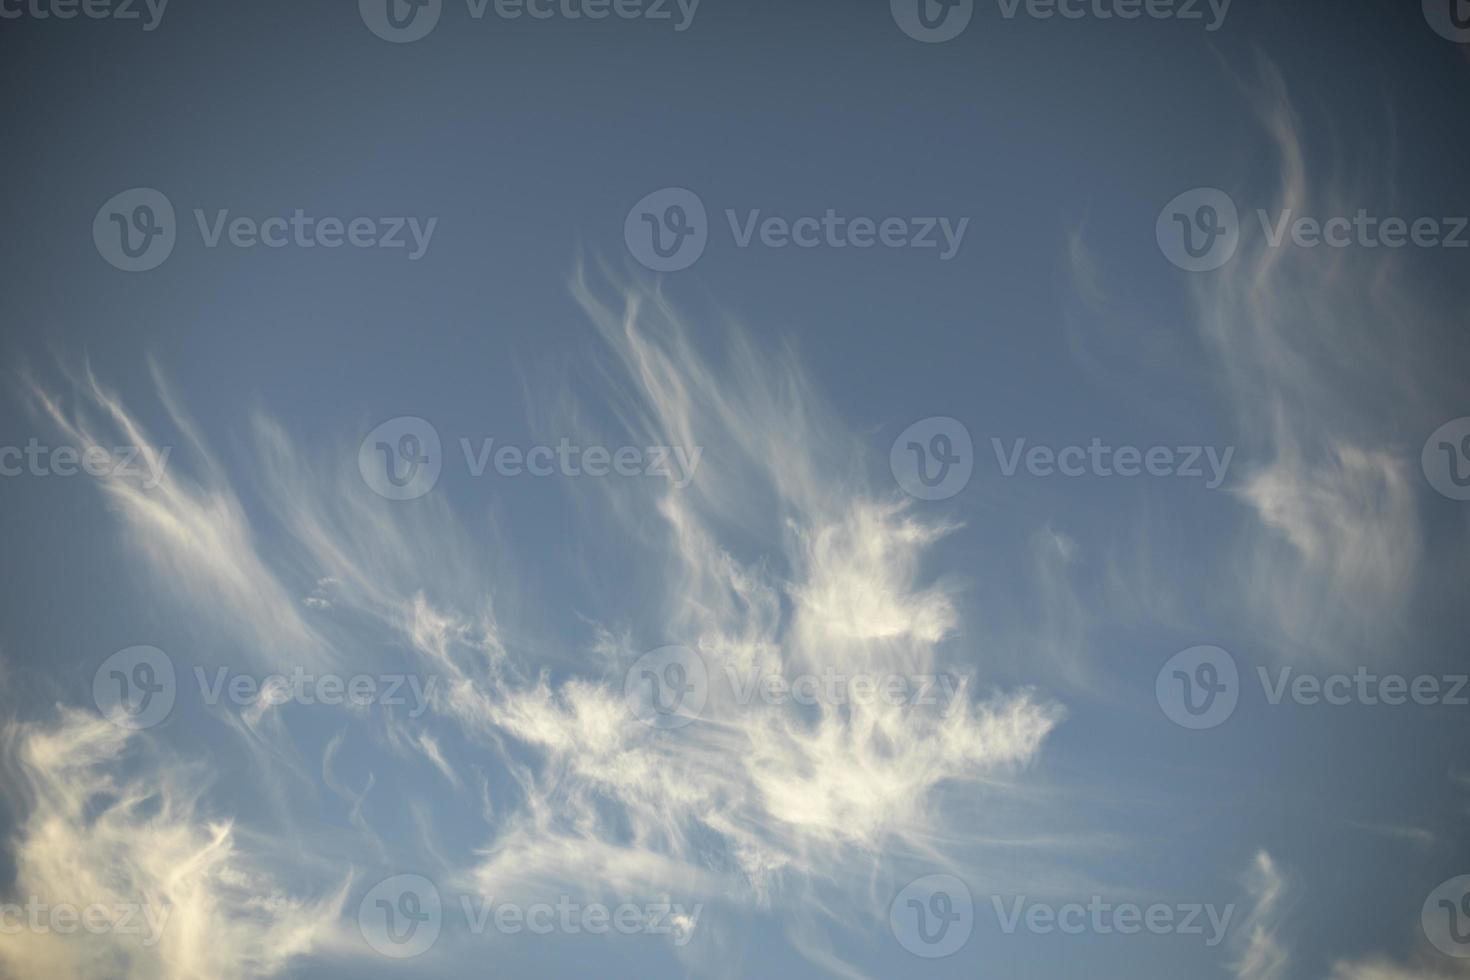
(758,804)
(120,826)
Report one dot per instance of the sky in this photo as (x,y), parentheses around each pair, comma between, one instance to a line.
(656,488)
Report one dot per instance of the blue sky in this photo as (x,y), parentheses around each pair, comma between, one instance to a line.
(762,490)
